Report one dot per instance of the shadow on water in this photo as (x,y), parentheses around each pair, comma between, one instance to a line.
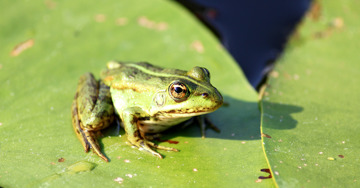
(239,120)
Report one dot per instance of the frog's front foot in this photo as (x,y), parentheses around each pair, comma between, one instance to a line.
(147,146)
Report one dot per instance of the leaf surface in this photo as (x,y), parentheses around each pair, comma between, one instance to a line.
(38,81)
(309,108)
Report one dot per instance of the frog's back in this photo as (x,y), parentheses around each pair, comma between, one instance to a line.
(146,69)
(143,76)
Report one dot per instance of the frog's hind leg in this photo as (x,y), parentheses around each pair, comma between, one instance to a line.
(91,138)
(87,138)
(92,111)
(77,127)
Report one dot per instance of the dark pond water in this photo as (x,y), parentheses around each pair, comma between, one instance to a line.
(253,31)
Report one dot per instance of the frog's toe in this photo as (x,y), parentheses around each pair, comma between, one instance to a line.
(162,147)
(91,138)
(145,146)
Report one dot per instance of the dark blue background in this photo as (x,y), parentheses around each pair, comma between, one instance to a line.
(253,31)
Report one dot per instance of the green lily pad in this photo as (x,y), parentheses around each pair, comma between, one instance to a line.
(47,45)
(310,119)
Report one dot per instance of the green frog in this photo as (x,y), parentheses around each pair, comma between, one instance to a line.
(148,100)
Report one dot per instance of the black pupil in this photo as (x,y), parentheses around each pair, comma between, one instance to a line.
(178,89)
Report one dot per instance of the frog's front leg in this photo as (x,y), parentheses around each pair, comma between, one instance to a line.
(131,118)
(204,122)
(92,110)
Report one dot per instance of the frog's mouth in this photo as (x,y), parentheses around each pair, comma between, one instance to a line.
(186,112)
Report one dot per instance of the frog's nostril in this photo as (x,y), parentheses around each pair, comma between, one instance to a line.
(204,95)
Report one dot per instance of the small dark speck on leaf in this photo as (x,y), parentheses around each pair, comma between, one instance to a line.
(168,141)
(265,135)
(341,156)
(267,171)
(61,160)
(315,11)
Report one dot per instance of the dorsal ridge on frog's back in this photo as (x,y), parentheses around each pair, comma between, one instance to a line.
(197,75)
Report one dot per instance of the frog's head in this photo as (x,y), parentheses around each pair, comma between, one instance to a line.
(190,95)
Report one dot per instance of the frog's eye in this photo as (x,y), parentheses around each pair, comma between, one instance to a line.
(178,91)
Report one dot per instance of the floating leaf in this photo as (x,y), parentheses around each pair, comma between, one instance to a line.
(310,106)
(38,144)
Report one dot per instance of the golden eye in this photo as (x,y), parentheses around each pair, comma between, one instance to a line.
(178,91)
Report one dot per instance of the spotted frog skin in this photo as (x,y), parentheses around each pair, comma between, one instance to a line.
(148,99)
